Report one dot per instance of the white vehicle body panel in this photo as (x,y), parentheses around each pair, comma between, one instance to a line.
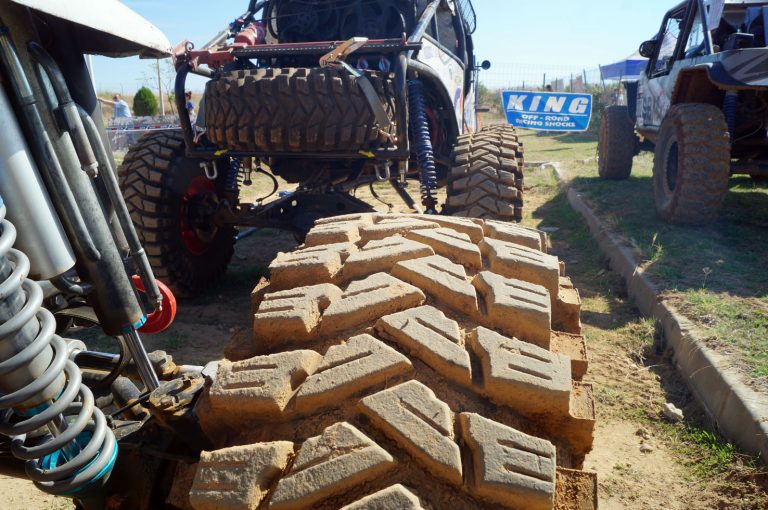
(451,75)
(106,27)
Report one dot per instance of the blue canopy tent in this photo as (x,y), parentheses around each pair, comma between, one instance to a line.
(627,70)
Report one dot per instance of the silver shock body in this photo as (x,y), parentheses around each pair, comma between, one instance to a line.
(39,232)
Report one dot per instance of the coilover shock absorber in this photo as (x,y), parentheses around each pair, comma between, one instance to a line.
(417,108)
(233,175)
(42,388)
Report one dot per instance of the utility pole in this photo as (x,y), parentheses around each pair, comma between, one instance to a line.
(160,88)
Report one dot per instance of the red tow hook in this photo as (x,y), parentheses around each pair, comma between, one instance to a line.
(160,319)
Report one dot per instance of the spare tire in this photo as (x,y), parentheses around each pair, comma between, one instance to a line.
(294,110)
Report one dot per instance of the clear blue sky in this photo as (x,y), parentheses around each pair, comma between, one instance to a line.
(539,36)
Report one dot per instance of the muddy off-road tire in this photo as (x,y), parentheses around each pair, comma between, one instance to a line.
(382,372)
(616,145)
(159,183)
(691,165)
(486,176)
(293,110)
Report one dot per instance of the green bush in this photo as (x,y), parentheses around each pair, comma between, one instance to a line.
(145,103)
(490,98)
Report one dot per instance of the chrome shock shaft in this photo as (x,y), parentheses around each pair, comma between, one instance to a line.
(42,389)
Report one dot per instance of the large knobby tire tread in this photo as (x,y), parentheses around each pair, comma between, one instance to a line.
(616,145)
(486,177)
(147,181)
(293,110)
(363,388)
(704,156)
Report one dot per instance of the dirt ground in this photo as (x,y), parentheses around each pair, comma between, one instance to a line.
(643,461)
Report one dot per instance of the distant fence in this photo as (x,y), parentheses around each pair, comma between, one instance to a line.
(562,78)
(125,132)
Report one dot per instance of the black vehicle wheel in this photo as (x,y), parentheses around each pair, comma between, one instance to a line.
(171,202)
(692,164)
(616,146)
(486,177)
(294,110)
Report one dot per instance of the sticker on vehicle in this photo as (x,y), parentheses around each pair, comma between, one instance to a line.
(547,111)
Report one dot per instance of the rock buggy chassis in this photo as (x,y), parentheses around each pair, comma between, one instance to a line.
(394,161)
(395,104)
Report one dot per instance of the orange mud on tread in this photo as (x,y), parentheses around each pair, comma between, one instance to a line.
(391,372)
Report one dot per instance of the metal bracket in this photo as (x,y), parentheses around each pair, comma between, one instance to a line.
(211,172)
(382,171)
(342,51)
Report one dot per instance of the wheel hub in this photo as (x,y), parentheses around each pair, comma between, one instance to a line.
(198,205)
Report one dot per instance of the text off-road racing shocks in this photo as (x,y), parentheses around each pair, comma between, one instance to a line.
(42,387)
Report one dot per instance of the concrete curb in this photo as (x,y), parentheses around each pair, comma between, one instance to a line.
(739,412)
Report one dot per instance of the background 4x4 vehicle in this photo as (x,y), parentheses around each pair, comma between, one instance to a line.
(396,100)
(701,104)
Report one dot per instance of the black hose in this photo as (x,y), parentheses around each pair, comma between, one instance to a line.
(87,142)
(107,176)
(72,122)
(67,286)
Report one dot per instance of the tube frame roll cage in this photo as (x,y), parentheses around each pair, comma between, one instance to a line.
(402,50)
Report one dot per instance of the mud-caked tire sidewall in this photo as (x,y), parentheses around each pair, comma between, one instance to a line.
(699,134)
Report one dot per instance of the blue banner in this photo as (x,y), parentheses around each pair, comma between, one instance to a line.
(547,111)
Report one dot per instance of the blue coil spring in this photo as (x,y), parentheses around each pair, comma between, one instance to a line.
(422,139)
(729,110)
(232,183)
(82,453)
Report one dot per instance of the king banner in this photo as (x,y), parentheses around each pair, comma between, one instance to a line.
(547,111)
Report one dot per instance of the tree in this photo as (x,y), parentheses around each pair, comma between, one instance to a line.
(145,103)
(488,98)
(167,77)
